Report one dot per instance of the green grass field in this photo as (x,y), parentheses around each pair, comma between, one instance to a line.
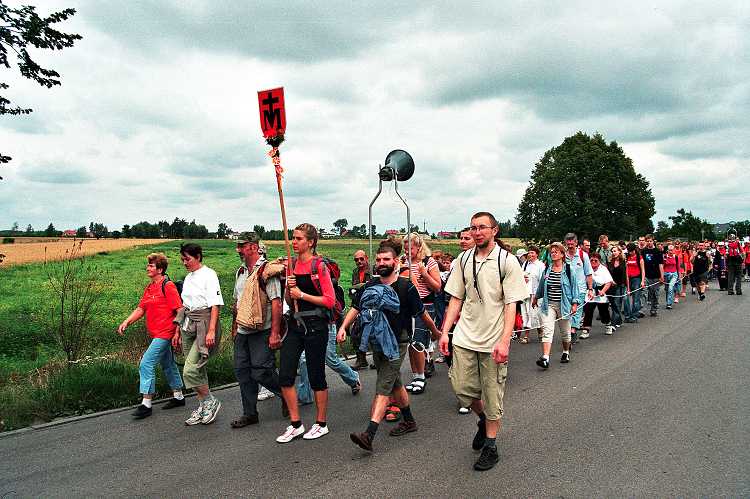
(35,385)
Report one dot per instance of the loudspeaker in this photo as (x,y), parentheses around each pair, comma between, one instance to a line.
(398,163)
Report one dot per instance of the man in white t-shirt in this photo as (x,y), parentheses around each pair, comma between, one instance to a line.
(485,286)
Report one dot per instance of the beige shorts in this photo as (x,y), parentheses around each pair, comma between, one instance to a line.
(476,376)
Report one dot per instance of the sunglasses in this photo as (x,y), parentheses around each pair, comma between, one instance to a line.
(359,259)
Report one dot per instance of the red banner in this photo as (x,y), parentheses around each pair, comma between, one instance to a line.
(272,114)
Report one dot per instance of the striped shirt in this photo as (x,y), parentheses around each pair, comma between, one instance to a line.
(554,287)
(422,288)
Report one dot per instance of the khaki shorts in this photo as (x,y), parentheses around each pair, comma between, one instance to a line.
(476,376)
(389,371)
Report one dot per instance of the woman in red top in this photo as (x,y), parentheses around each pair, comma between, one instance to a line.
(636,281)
(687,267)
(311,304)
(160,303)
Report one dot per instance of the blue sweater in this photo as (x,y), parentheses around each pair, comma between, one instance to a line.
(374,301)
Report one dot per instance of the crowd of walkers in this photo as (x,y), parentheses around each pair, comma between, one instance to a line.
(413,302)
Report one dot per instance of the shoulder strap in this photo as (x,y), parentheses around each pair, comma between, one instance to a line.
(314,273)
(464,260)
(502,257)
(164,284)
(568,272)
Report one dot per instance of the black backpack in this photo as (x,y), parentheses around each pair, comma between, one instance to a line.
(178,285)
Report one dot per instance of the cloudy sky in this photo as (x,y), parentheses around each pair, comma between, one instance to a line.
(157,116)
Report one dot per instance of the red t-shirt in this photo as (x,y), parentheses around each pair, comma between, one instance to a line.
(160,309)
(634,265)
(670,263)
(324,277)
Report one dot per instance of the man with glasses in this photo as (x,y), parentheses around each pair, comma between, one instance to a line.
(484,286)
(360,275)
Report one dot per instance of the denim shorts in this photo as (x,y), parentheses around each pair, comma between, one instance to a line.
(422,335)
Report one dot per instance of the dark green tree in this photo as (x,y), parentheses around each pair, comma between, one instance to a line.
(341,225)
(260,230)
(586,186)
(50,231)
(21,28)
(222,231)
(81,232)
(126,231)
(685,225)
(29,229)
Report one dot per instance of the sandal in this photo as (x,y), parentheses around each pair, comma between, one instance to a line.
(418,386)
(392,413)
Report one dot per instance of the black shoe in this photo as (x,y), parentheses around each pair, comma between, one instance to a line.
(739,292)
(730,292)
(403,428)
(702,297)
(478,441)
(142,412)
(542,362)
(429,369)
(363,440)
(361,361)
(565,358)
(172,403)
(669,307)
(641,315)
(243,421)
(487,460)
(653,313)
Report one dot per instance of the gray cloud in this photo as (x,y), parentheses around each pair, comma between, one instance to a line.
(56,173)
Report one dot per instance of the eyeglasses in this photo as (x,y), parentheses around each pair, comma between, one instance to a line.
(477,228)
(359,259)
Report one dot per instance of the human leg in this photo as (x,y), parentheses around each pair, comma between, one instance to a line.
(348,375)
(243,373)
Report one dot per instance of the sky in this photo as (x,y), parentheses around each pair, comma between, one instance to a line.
(157,114)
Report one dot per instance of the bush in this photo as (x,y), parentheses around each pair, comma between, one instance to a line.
(9,240)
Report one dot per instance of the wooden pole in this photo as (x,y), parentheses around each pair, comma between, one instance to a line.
(276,158)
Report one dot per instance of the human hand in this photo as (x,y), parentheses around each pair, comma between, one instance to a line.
(274,341)
(574,308)
(500,352)
(122,327)
(210,339)
(177,340)
(443,343)
(291,282)
(234,329)
(295,293)
(341,335)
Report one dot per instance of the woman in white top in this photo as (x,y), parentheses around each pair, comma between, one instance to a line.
(533,270)
(602,281)
(200,334)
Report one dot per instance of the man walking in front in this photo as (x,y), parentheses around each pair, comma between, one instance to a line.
(578,259)
(484,287)
(255,328)
(360,275)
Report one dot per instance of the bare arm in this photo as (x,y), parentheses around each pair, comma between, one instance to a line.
(349,319)
(274,341)
(212,323)
(451,315)
(432,279)
(501,350)
(133,317)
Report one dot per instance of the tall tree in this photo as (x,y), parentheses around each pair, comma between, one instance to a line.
(685,225)
(81,232)
(29,229)
(22,28)
(222,230)
(260,230)
(586,186)
(50,231)
(340,225)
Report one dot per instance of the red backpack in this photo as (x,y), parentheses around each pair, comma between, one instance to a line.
(734,250)
(337,312)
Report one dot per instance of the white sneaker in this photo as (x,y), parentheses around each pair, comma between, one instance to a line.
(583,334)
(196,417)
(265,393)
(210,411)
(316,431)
(290,434)
(609,330)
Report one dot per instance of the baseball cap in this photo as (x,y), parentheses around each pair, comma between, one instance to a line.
(248,237)
(521,252)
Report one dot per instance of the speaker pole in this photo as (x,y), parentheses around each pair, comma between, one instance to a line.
(369,214)
(408,225)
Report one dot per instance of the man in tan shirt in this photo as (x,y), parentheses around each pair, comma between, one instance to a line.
(484,286)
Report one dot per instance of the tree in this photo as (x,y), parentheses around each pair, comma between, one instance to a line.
(126,231)
(50,231)
(222,231)
(340,225)
(20,28)
(99,230)
(260,230)
(586,186)
(29,229)
(685,225)
(14,228)
(81,232)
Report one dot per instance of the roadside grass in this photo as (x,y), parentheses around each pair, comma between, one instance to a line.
(35,385)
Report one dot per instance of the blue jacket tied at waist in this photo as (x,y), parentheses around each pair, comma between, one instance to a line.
(375,300)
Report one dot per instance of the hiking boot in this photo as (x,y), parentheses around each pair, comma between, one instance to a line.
(564,358)
(142,412)
(403,428)
(363,440)
(487,460)
(481,434)
(210,410)
(541,362)
(172,403)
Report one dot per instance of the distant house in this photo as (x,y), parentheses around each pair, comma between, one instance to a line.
(393,232)
(233,235)
(69,233)
(444,234)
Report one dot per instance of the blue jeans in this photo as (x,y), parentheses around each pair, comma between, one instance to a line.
(616,301)
(672,279)
(348,375)
(633,302)
(577,318)
(158,352)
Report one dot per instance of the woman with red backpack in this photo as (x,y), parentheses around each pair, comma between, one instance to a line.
(311,299)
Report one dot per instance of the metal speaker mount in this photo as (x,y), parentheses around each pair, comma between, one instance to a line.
(398,163)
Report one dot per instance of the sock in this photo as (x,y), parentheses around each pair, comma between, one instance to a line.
(489,442)
(296,424)
(545,357)
(566,351)
(372,429)
(178,395)
(419,376)
(482,417)
(146,402)
(322,424)
(406,413)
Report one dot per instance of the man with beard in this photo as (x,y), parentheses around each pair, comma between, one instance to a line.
(484,287)
(388,384)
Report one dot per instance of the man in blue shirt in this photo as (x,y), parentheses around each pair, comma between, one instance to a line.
(580,264)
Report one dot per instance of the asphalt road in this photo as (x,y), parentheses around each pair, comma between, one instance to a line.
(660,409)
